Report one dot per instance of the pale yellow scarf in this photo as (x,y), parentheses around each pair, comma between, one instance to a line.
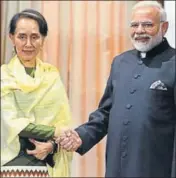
(39,100)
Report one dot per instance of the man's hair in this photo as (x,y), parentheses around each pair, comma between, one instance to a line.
(163,16)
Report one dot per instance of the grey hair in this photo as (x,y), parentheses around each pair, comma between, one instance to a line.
(163,15)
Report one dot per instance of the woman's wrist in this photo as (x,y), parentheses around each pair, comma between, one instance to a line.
(54,146)
(51,147)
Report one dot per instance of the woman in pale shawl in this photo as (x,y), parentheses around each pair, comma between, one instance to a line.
(34,105)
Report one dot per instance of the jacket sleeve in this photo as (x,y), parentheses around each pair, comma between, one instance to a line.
(97,126)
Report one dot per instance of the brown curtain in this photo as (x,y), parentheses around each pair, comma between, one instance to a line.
(84,36)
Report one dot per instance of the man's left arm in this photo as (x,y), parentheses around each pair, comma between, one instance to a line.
(84,137)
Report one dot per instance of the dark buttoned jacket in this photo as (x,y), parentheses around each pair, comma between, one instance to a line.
(138,114)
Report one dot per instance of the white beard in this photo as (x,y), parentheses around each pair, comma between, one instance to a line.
(147,46)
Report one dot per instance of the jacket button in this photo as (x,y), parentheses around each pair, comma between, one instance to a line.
(124,145)
(140,62)
(126,122)
(124,154)
(125,138)
(128,106)
(137,76)
(132,91)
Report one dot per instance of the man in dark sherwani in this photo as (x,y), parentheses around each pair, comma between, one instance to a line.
(138,108)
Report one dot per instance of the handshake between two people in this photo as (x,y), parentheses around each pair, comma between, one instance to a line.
(69,140)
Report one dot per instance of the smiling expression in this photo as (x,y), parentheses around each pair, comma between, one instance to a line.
(146,28)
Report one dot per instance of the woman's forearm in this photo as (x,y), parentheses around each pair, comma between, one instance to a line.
(42,132)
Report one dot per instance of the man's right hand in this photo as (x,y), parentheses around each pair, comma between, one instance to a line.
(69,140)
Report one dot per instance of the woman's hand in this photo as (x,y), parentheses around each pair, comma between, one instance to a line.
(42,149)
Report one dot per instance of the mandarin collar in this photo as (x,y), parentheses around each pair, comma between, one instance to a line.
(156,50)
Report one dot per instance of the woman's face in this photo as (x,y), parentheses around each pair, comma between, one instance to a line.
(27,39)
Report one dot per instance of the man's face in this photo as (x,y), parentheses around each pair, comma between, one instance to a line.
(146,29)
